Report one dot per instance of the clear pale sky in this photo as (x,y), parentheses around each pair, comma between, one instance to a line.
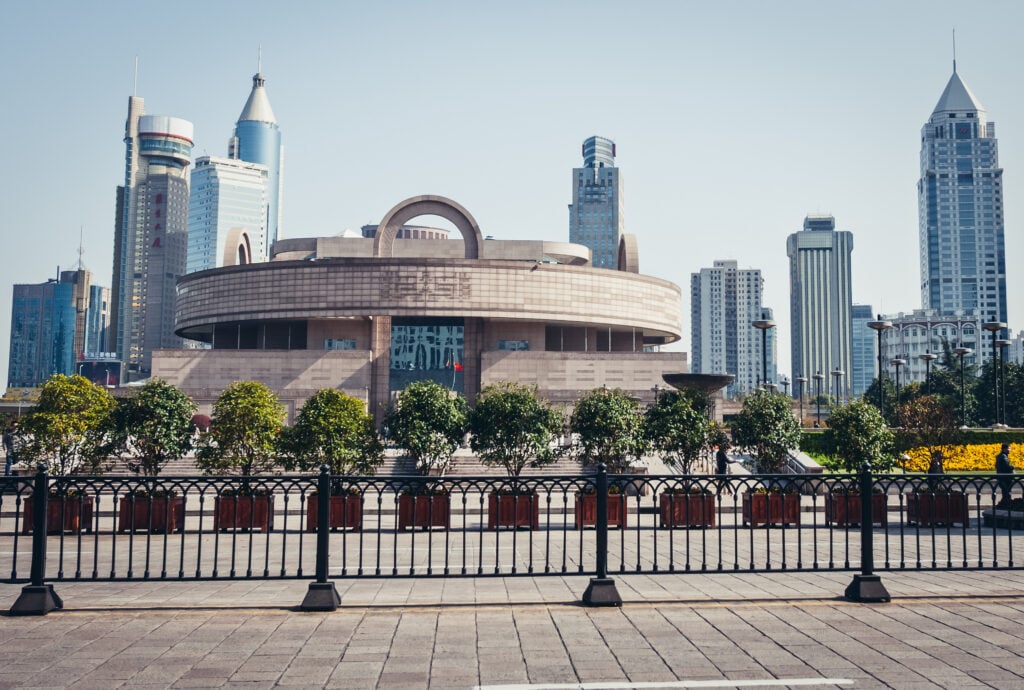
(733,120)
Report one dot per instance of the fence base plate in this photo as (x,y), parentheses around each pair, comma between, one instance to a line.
(867,589)
(321,596)
(602,592)
(36,600)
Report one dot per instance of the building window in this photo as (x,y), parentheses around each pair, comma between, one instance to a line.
(515,345)
(339,344)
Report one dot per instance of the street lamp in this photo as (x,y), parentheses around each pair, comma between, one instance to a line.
(994,327)
(1002,344)
(838,375)
(962,352)
(897,362)
(818,378)
(802,380)
(763,325)
(928,357)
(785,385)
(878,326)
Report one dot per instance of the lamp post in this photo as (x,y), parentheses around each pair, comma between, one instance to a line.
(994,327)
(838,375)
(1002,344)
(802,380)
(897,362)
(878,326)
(928,357)
(785,385)
(763,325)
(962,352)
(818,378)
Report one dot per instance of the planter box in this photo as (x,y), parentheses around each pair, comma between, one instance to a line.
(62,515)
(771,509)
(942,508)
(586,510)
(424,511)
(687,510)
(346,513)
(844,509)
(152,514)
(507,510)
(243,512)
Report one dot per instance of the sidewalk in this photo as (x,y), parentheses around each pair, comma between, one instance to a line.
(942,629)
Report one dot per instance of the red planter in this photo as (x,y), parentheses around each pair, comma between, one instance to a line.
(507,510)
(346,513)
(153,514)
(586,510)
(771,509)
(63,514)
(243,512)
(424,511)
(687,510)
(942,508)
(844,509)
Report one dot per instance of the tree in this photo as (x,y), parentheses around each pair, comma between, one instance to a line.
(244,431)
(889,393)
(512,427)
(152,427)
(857,434)
(428,421)
(333,429)
(609,428)
(927,422)
(677,430)
(767,429)
(65,429)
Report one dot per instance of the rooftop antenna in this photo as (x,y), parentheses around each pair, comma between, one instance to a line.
(135,82)
(259,58)
(954,50)
(81,247)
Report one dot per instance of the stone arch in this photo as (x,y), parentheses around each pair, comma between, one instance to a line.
(629,254)
(237,248)
(427,205)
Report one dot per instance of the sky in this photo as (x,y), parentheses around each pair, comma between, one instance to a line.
(733,120)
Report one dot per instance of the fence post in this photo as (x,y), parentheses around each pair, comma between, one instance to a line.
(601,591)
(38,598)
(321,595)
(866,586)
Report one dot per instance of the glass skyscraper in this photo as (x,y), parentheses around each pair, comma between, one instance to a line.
(960,206)
(43,320)
(864,354)
(227,214)
(257,139)
(595,215)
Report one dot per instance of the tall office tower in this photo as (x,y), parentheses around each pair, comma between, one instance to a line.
(960,206)
(864,354)
(771,347)
(150,244)
(595,214)
(820,299)
(257,139)
(97,321)
(43,321)
(227,213)
(724,303)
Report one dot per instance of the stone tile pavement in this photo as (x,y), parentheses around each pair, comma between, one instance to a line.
(942,629)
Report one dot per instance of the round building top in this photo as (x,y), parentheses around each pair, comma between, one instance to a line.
(166,126)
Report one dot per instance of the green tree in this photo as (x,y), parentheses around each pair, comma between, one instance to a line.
(244,431)
(608,425)
(152,427)
(333,429)
(928,422)
(857,434)
(677,431)
(889,393)
(428,421)
(767,429)
(513,428)
(66,428)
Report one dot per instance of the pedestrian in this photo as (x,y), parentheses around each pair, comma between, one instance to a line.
(722,462)
(9,448)
(1004,468)
(935,468)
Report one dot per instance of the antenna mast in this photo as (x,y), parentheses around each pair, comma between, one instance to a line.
(954,50)
(259,59)
(81,247)
(135,82)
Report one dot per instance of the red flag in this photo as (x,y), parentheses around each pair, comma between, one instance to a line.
(458,366)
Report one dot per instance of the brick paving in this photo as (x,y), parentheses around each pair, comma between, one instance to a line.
(942,629)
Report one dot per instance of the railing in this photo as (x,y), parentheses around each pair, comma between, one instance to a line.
(85,528)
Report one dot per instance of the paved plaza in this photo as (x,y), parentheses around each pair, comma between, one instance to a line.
(942,629)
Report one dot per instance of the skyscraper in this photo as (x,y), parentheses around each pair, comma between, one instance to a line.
(227,213)
(257,139)
(595,214)
(864,355)
(150,243)
(724,303)
(42,332)
(820,297)
(960,206)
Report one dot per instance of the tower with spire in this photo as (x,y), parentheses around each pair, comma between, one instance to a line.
(257,139)
(960,206)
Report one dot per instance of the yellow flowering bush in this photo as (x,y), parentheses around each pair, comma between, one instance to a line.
(973,458)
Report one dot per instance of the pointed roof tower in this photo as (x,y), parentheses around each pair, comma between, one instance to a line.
(957,97)
(257,108)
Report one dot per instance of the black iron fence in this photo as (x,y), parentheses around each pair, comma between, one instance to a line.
(85,528)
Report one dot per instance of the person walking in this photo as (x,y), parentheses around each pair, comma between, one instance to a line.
(9,448)
(722,462)
(1004,468)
